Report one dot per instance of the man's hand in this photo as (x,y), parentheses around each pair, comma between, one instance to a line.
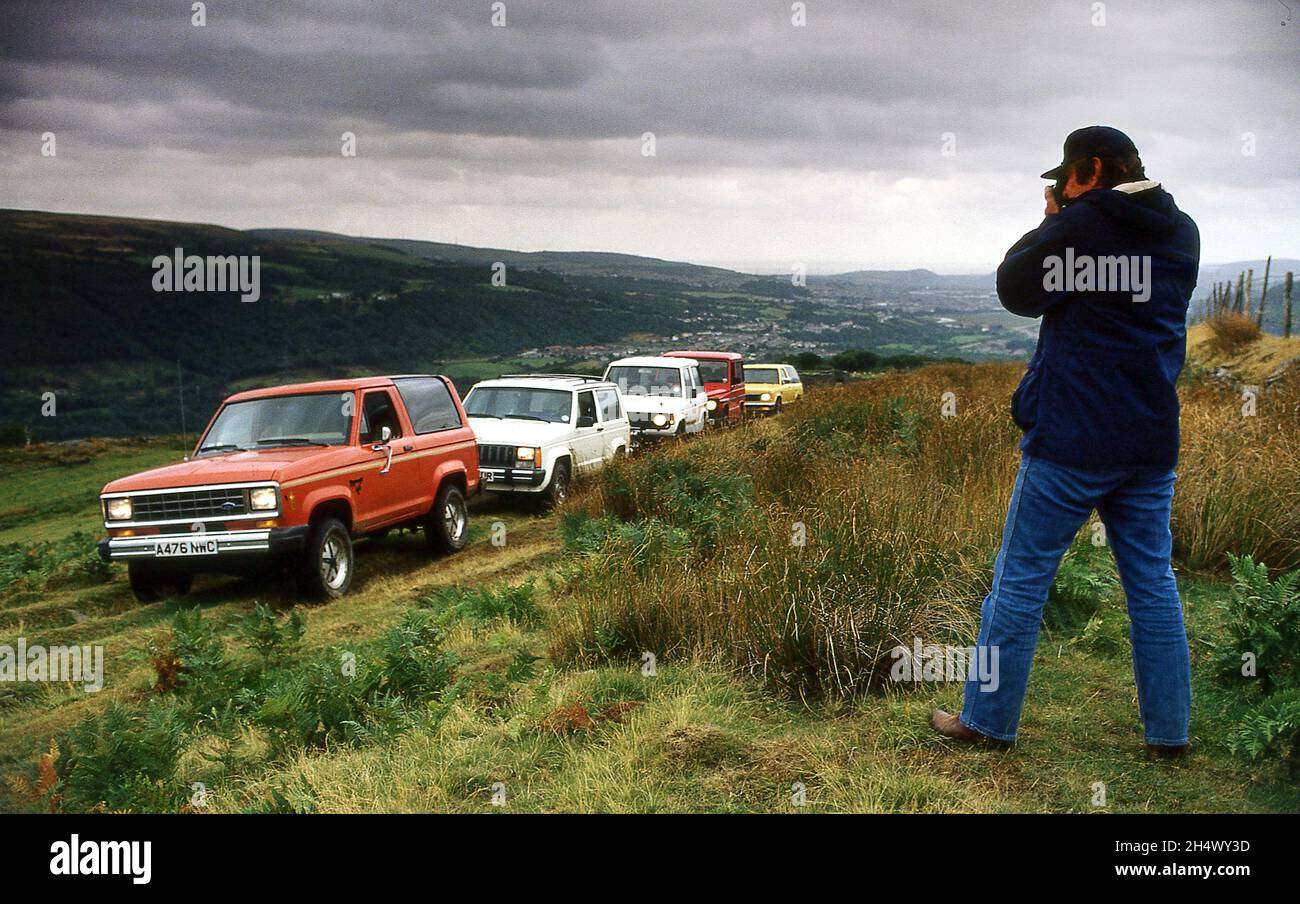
(1052,206)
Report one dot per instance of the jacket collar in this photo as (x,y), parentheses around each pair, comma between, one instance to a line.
(1130,188)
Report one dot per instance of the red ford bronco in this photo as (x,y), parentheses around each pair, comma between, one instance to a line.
(296,472)
(724,381)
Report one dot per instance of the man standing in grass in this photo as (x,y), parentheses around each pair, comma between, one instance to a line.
(1110,270)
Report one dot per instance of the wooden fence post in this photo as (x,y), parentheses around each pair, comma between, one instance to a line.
(1286,317)
(1263,295)
(1241,293)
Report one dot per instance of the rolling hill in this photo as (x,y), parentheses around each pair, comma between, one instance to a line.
(84,322)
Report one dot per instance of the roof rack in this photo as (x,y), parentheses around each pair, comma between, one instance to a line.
(586,378)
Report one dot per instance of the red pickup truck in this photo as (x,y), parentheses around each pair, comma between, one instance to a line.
(296,472)
(724,381)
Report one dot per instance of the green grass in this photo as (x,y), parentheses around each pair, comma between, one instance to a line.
(696,739)
(46,498)
(471,371)
(695,736)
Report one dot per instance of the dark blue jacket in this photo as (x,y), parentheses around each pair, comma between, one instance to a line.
(1099,392)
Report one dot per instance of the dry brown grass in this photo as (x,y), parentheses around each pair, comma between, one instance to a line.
(902,510)
(1239,477)
(1232,332)
(899,506)
(1258,362)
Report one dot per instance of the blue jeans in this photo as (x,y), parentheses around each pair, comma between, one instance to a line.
(1048,506)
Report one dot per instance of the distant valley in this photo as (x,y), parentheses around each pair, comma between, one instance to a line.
(83,321)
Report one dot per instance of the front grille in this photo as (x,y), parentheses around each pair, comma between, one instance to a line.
(753,397)
(640,420)
(189,505)
(497,456)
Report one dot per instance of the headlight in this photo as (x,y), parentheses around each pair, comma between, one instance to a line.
(711,404)
(766,397)
(525,453)
(262,499)
(660,420)
(119,509)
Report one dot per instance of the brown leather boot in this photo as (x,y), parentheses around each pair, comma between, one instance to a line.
(950,726)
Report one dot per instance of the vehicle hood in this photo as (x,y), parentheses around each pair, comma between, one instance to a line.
(642,404)
(231,467)
(516,432)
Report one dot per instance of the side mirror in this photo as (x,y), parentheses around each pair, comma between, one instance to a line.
(385,434)
(586,421)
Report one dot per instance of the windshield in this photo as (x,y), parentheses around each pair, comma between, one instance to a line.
(714,371)
(550,405)
(762,375)
(323,419)
(647,381)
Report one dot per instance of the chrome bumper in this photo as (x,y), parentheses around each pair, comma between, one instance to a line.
(233,541)
(511,479)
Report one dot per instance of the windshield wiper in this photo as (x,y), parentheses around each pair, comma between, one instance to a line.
(529,417)
(483,414)
(216,447)
(290,441)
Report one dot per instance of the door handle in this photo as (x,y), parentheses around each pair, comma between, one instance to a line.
(600,429)
(407,448)
(387,464)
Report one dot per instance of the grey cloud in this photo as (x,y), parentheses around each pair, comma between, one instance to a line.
(566,89)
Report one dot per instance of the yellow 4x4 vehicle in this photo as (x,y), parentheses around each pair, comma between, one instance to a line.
(770,387)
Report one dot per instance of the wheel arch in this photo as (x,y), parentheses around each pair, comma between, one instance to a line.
(333,507)
(452,471)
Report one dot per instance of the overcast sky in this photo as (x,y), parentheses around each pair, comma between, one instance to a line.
(774,143)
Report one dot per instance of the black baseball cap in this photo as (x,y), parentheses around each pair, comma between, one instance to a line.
(1092,141)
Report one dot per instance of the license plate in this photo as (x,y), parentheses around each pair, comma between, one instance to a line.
(167,548)
(488,476)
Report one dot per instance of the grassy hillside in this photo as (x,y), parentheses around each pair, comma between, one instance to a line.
(1253,362)
(521,670)
(84,323)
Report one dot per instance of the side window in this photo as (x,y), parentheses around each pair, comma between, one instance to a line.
(696,381)
(738,372)
(587,405)
(377,412)
(792,375)
(610,410)
(429,404)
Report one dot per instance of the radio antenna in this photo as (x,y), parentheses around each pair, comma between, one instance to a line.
(180,392)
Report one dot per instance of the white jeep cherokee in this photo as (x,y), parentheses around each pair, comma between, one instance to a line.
(663,396)
(537,432)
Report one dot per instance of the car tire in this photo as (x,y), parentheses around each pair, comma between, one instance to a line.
(777,408)
(446,528)
(146,584)
(325,572)
(558,492)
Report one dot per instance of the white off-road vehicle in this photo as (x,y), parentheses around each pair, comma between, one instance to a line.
(537,432)
(663,396)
